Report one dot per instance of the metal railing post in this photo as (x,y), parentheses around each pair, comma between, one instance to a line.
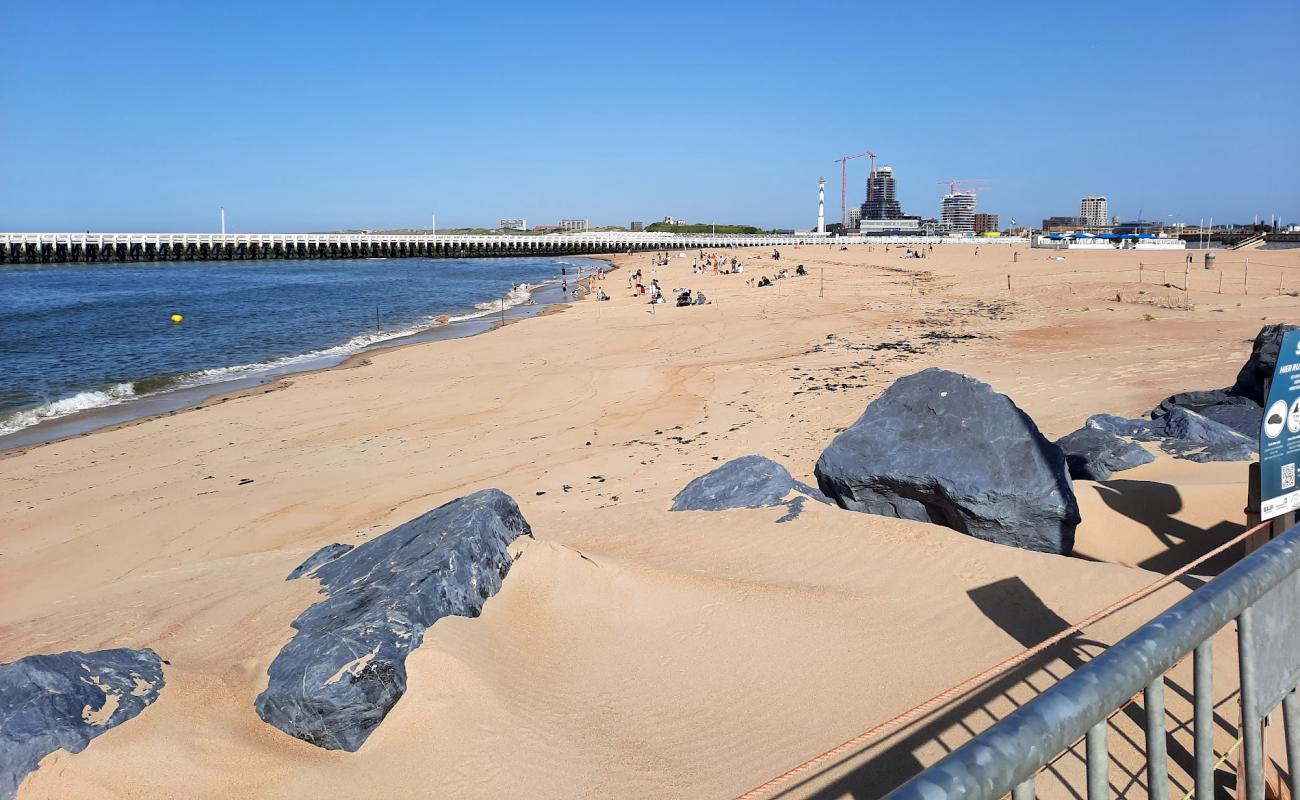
(1251,732)
(1203,701)
(1098,762)
(1291,724)
(1153,697)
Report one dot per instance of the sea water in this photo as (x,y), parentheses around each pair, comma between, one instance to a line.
(75,337)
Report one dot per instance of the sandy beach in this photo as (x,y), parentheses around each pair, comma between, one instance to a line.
(633,652)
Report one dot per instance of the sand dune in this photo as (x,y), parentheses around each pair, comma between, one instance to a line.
(631,652)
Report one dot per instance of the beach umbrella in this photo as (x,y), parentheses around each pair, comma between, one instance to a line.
(1083,236)
(1146,236)
(1055,236)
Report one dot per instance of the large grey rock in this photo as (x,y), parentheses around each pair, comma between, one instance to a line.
(746,482)
(1199,401)
(941,447)
(1094,454)
(64,700)
(1245,417)
(1258,369)
(1183,433)
(1139,429)
(339,676)
(1190,436)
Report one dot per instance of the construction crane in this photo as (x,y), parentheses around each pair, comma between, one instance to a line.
(967,184)
(844,184)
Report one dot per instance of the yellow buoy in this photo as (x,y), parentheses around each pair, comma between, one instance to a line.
(177,319)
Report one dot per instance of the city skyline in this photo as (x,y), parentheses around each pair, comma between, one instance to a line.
(314,132)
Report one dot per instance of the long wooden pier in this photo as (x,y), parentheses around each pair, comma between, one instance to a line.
(54,248)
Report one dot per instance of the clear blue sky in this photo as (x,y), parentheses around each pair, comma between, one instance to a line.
(325,115)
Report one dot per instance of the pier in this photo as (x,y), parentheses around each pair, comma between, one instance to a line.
(56,248)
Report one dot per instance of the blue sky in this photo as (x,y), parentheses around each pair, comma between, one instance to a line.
(326,115)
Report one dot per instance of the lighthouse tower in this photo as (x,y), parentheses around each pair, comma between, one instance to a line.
(821,205)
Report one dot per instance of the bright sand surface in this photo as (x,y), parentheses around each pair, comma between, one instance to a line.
(633,652)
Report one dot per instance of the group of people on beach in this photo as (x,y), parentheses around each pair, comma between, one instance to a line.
(780,275)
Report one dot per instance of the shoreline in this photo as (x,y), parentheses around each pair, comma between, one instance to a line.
(547,297)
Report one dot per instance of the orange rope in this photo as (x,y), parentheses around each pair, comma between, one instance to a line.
(988,674)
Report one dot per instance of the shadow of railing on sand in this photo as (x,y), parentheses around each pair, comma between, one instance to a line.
(1017,610)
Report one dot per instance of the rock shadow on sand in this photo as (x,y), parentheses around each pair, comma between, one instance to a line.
(1153,505)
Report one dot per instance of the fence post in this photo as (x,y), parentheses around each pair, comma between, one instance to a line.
(821,287)
(1220,282)
(1008,283)
(1245,278)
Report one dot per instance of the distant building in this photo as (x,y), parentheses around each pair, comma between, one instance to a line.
(1094,211)
(573,224)
(855,217)
(1056,224)
(958,212)
(636,225)
(1140,226)
(881,202)
(669,221)
(908,226)
(986,223)
(514,225)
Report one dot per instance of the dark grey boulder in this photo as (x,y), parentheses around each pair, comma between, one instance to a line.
(1258,369)
(1184,434)
(64,700)
(1139,429)
(318,559)
(1094,454)
(746,482)
(345,668)
(1245,417)
(1199,401)
(945,448)
(1193,437)
(1181,423)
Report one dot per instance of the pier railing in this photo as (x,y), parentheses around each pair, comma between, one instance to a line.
(1261,593)
(17,248)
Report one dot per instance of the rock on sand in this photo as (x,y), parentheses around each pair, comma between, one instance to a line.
(945,448)
(339,676)
(64,700)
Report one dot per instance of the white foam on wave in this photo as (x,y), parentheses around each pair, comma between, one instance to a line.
(121,392)
(81,401)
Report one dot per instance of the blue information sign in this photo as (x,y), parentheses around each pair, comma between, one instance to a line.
(1279,436)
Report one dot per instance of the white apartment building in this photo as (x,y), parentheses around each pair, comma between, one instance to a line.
(1094,212)
(573,224)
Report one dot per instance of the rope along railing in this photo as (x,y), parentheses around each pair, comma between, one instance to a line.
(770,787)
(1261,592)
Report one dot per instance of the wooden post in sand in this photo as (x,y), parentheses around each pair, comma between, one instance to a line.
(1008,282)
(821,287)
(1220,283)
(1139,272)
(1245,278)
(1280,276)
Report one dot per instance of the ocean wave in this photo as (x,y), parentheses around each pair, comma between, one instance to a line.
(122,392)
(81,401)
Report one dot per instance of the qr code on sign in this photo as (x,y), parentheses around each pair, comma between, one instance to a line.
(1288,476)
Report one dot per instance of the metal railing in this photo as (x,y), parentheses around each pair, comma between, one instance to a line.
(1261,592)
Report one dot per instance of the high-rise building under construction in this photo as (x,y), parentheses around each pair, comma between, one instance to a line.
(881,203)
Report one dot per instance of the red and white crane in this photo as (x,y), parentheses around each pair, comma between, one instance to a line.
(843,161)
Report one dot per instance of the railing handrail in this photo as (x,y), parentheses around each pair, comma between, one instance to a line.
(1016,747)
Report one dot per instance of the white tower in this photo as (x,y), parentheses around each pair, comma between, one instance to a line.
(821,205)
